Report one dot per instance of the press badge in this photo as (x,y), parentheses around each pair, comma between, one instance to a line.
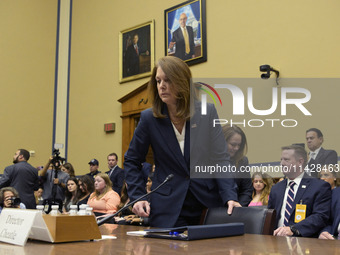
(300,212)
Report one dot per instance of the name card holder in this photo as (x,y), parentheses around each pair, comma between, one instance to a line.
(16,226)
(65,228)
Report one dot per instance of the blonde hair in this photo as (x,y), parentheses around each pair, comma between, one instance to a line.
(179,76)
(108,186)
(268,183)
(332,169)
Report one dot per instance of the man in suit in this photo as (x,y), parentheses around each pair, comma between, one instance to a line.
(116,174)
(302,203)
(318,156)
(133,52)
(332,229)
(23,177)
(183,39)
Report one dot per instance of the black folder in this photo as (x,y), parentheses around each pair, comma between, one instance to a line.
(189,233)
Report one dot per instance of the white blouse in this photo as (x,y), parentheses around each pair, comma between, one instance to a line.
(180,137)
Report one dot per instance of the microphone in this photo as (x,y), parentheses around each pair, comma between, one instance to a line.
(109,217)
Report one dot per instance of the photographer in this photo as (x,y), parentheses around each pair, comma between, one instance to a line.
(9,198)
(54,181)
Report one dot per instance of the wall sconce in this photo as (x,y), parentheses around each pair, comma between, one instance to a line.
(268,69)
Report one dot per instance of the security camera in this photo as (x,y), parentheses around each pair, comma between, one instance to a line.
(267,69)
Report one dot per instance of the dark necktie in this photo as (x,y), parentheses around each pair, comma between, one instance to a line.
(289,203)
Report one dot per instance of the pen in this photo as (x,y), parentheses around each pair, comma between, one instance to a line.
(174,233)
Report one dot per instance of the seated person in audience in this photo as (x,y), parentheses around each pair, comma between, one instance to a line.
(38,196)
(94,168)
(148,185)
(127,216)
(237,149)
(9,198)
(124,200)
(71,194)
(318,156)
(86,187)
(331,231)
(281,179)
(302,203)
(262,184)
(330,175)
(116,174)
(68,168)
(103,200)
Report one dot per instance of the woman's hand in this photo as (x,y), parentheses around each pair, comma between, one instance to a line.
(141,208)
(8,203)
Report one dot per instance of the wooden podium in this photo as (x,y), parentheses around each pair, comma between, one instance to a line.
(65,228)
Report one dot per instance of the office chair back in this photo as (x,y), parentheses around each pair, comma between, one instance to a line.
(257,220)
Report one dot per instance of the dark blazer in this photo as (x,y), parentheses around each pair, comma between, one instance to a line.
(244,184)
(167,202)
(117,178)
(178,37)
(314,193)
(333,224)
(324,157)
(132,60)
(24,178)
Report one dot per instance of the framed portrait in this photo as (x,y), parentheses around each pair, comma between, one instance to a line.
(185,31)
(136,52)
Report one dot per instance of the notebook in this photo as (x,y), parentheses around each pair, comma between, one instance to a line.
(189,233)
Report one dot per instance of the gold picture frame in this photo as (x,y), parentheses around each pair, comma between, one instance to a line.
(193,14)
(136,51)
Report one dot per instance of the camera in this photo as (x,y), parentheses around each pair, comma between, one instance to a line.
(267,69)
(57,160)
(15,201)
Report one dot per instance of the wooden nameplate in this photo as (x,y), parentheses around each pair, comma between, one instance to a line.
(65,228)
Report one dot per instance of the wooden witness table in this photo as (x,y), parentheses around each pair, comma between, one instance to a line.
(246,244)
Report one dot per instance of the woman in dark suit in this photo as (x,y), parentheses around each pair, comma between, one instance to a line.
(237,149)
(167,127)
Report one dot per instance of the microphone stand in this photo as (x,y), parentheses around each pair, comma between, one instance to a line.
(109,217)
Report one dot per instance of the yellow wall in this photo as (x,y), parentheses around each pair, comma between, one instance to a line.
(27,62)
(300,38)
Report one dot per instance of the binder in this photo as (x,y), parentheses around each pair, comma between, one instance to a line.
(189,233)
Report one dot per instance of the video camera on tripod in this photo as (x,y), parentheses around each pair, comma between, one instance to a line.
(56,162)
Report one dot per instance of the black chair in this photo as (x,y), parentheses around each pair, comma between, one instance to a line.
(257,220)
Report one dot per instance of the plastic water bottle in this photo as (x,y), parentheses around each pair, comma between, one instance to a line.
(41,208)
(89,210)
(73,210)
(55,210)
(82,209)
